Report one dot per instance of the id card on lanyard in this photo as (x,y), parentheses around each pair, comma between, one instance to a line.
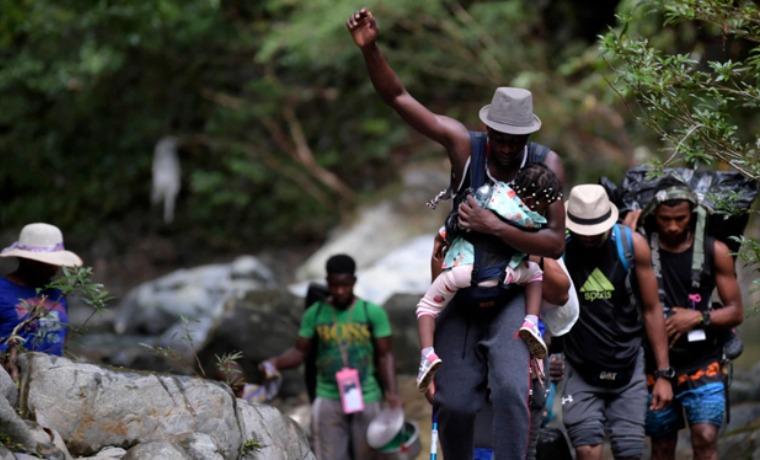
(349,383)
(696,335)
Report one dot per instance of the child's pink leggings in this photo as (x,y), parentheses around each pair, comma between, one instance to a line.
(446,285)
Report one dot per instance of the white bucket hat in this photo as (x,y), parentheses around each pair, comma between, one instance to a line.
(43,243)
(589,210)
(511,112)
(384,427)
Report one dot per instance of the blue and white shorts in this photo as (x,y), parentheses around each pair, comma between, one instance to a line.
(703,404)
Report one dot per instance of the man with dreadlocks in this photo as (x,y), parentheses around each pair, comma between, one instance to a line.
(524,203)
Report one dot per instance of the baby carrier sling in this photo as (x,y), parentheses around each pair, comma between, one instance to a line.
(319,293)
(491,254)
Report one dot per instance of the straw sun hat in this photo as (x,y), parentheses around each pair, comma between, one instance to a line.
(589,210)
(42,243)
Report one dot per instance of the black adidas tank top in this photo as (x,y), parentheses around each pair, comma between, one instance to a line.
(607,335)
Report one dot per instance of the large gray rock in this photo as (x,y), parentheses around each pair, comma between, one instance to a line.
(5,454)
(268,434)
(200,446)
(101,412)
(109,453)
(156,450)
(8,388)
(28,435)
(92,407)
(196,294)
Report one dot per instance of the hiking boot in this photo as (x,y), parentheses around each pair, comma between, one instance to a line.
(532,337)
(428,366)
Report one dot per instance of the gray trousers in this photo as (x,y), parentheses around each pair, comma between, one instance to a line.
(338,436)
(481,351)
(589,412)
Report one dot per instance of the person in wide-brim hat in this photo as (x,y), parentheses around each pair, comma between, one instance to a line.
(32,313)
(42,243)
(511,112)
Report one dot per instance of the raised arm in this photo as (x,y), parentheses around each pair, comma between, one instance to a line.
(450,133)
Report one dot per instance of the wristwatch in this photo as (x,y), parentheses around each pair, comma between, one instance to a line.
(667,373)
(706,318)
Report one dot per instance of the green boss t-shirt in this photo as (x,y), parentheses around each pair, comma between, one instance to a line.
(352,328)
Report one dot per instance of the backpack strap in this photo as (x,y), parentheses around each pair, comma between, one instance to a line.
(654,244)
(698,255)
(623,237)
(474,173)
(477,159)
(624,243)
(310,361)
(484,266)
(366,316)
(537,153)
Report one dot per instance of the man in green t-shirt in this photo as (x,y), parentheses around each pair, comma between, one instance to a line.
(350,333)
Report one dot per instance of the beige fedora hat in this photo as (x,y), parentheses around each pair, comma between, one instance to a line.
(43,243)
(511,112)
(589,210)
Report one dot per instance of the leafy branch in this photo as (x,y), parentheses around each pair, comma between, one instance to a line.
(71,280)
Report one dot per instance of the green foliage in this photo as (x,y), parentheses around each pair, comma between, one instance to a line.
(230,369)
(281,130)
(250,446)
(701,101)
(704,110)
(79,280)
(72,280)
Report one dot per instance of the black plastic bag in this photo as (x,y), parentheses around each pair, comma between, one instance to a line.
(638,189)
(552,445)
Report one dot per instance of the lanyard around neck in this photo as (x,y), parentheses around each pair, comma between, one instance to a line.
(342,345)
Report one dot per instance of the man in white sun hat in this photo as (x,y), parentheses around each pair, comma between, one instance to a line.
(605,390)
(40,254)
(476,342)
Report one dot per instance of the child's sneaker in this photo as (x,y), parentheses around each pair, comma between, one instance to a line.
(532,337)
(428,366)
